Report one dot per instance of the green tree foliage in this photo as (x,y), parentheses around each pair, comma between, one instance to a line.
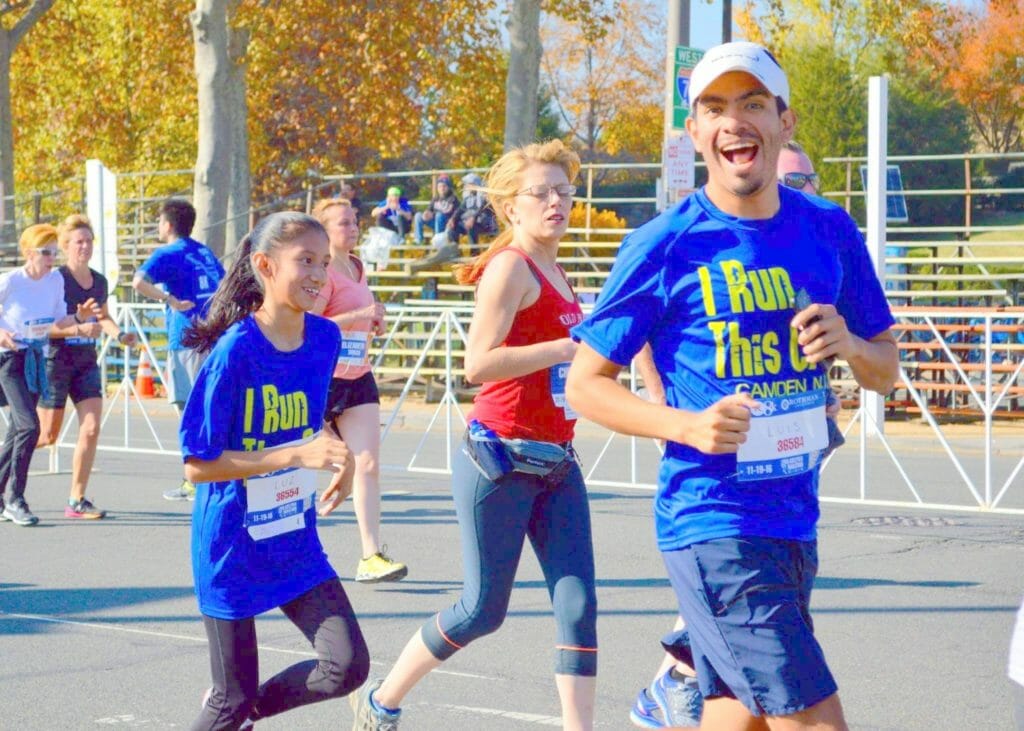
(918,102)
(829,49)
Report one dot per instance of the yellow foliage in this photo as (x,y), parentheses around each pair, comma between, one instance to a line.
(599,218)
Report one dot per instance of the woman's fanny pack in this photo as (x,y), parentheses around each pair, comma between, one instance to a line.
(495,456)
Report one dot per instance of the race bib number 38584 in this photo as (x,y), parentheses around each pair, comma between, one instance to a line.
(787,435)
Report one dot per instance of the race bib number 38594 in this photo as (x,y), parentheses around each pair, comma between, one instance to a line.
(787,435)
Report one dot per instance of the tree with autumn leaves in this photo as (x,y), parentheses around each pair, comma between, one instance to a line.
(979,53)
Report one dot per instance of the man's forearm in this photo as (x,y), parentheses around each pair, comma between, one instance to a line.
(148,289)
(876,364)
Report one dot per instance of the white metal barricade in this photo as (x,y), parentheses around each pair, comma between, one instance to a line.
(988,373)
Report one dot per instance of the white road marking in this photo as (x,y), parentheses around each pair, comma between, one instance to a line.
(191,638)
(534,718)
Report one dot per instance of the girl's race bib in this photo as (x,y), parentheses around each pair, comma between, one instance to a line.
(277,502)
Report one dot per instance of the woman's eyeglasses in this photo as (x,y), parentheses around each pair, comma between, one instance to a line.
(799,180)
(543,192)
(46,252)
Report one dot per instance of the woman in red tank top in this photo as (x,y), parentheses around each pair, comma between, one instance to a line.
(519,349)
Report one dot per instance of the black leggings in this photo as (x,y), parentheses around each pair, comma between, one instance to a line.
(326,619)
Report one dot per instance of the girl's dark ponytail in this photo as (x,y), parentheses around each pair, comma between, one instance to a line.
(239,294)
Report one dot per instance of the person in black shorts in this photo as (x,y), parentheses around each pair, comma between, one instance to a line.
(71,368)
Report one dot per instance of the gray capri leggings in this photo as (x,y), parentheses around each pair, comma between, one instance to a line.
(494,519)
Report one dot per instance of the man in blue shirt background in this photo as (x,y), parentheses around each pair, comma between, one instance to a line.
(183,274)
(714,285)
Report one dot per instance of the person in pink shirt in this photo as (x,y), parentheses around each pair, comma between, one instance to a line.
(353,405)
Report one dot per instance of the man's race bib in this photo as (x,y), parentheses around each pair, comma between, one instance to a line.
(277,502)
(559,373)
(353,347)
(36,329)
(787,436)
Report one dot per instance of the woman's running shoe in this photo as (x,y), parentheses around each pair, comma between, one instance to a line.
(83,510)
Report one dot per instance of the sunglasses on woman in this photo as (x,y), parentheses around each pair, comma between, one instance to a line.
(46,252)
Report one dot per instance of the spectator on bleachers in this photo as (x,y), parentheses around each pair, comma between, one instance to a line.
(71,368)
(32,298)
(394,212)
(439,210)
(348,191)
(474,216)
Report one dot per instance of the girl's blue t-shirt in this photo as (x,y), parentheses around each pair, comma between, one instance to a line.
(712,294)
(250,396)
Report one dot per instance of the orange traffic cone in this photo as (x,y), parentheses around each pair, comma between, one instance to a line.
(144,377)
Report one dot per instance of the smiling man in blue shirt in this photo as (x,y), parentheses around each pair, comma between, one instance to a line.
(711,284)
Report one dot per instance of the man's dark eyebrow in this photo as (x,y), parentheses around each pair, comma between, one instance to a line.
(743,97)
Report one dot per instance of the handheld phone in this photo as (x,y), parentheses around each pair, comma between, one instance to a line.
(801,301)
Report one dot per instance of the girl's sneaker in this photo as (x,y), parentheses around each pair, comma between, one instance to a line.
(83,509)
(368,715)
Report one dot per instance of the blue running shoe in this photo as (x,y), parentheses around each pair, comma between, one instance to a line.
(680,702)
(642,713)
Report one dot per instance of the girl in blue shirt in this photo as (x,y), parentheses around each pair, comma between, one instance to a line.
(251,437)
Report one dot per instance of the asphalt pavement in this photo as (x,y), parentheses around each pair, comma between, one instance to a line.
(99,626)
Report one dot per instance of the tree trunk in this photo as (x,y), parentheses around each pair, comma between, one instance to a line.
(523,78)
(9,230)
(213,156)
(9,40)
(240,190)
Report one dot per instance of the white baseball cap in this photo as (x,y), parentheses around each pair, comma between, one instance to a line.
(738,56)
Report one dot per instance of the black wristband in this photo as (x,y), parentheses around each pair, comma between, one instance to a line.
(80,322)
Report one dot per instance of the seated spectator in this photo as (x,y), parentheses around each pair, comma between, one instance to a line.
(439,210)
(473,216)
(394,212)
(348,191)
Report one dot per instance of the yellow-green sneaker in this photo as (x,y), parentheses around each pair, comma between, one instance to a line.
(187,491)
(379,567)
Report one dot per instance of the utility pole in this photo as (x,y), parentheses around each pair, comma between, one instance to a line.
(677,158)
(678,35)
(726,21)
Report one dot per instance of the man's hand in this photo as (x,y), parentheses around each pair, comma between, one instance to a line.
(180,305)
(823,334)
(720,428)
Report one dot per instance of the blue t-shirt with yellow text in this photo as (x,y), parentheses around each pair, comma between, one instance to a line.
(250,396)
(712,294)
